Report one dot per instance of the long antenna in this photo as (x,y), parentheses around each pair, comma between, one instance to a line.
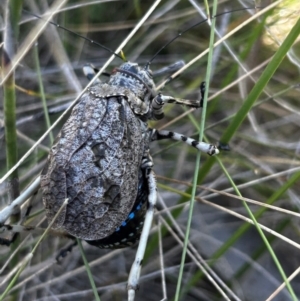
(156,54)
(198,23)
(77,34)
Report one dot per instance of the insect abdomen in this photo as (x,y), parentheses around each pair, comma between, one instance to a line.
(100,175)
(128,233)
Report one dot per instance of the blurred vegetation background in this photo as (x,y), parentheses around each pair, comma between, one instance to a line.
(263,160)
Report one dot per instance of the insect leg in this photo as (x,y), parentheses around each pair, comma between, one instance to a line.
(159,101)
(13,231)
(169,69)
(202,146)
(7,241)
(15,205)
(64,252)
(134,275)
(90,71)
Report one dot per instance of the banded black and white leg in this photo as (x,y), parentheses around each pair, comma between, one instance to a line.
(133,279)
(160,100)
(147,164)
(210,149)
(90,71)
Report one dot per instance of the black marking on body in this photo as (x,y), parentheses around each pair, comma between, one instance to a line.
(184,138)
(195,143)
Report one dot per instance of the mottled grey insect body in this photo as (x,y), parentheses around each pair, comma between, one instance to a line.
(96,158)
(100,160)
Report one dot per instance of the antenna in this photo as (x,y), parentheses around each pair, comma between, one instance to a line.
(156,54)
(198,23)
(77,34)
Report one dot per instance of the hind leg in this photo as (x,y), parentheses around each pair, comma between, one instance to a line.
(133,280)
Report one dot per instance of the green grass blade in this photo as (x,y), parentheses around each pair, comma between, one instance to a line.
(261,233)
(261,83)
(88,270)
(197,163)
(38,68)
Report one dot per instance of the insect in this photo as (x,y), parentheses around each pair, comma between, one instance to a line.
(205,242)
(100,160)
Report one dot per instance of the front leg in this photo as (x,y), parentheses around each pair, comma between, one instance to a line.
(160,100)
